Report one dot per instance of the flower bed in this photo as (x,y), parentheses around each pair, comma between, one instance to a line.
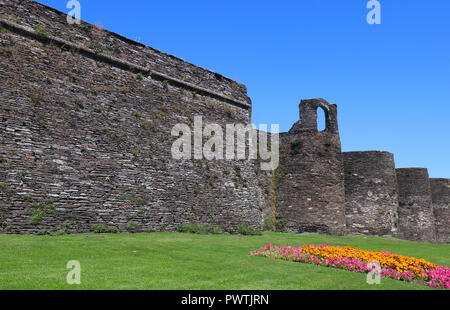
(392,265)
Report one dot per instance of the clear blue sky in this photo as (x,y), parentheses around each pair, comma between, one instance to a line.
(391,82)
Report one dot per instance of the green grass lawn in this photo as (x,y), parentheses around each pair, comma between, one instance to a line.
(188,261)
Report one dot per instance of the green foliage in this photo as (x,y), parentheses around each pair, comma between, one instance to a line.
(187,227)
(103,228)
(194,228)
(246,229)
(280,223)
(35,98)
(40,210)
(133,226)
(79,103)
(229,112)
(36,217)
(43,232)
(42,123)
(60,232)
(22,175)
(267,224)
(137,201)
(296,146)
(237,171)
(50,209)
(64,37)
(93,46)
(215,230)
(148,126)
(151,229)
(41,30)
(27,198)
(9,50)
(274,224)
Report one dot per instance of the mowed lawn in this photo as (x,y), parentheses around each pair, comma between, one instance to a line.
(187,261)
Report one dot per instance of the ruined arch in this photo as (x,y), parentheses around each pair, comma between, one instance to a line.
(308,116)
(321,119)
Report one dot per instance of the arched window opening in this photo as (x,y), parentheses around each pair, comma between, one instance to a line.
(321,119)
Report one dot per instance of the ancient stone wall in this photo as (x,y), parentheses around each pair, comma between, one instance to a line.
(370,192)
(86,138)
(86,118)
(440,195)
(416,218)
(309,182)
(46,20)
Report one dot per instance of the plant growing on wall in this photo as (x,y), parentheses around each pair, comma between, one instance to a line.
(133,226)
(40,210)
(102,228)
(246,229)
(36,217)
(296,146)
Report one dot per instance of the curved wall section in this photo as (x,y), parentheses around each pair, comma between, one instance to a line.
(440,195)
(416,217)
(370,192)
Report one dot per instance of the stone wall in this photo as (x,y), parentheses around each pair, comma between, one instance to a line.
(86,121)
(86,134)
(370,192)
(440,195)
(416,217)
(309,182)
(47,20)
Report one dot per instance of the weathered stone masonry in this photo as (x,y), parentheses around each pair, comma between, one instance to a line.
(321,189)
(311,182)
(86,118)
(371,192)
(86,139)
(440,194)
(416,216)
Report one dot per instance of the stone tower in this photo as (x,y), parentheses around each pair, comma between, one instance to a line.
(416,217)
(440,195)
(371,192)
(310,179)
